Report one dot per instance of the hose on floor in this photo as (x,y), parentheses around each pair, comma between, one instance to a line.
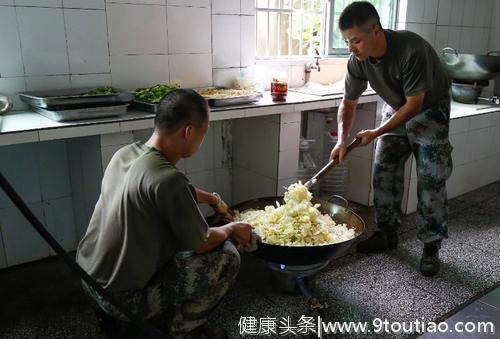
(148,329)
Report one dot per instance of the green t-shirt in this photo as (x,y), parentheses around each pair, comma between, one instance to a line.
(409,68)
(147,211)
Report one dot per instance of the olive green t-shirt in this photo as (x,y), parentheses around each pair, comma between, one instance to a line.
(410,67)
(147,211)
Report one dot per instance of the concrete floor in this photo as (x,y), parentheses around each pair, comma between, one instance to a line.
(44,299)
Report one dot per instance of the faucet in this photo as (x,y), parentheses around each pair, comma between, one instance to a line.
(312,65)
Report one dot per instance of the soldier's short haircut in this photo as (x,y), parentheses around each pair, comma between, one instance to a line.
(179,108)
(359,14)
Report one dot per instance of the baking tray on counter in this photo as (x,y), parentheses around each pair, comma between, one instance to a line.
(82,113)
(145,106)
(73,97)
(230,101)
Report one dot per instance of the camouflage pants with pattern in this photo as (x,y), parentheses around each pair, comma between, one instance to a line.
(426,137)
(181,295)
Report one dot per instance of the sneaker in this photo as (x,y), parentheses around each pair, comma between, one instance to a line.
(429,264)
(379,241)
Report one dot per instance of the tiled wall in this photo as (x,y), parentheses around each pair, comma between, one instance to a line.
(125,43)
(466,25)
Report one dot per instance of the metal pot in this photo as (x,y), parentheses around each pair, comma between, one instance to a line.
(306,255)
(465,93)
(470,67)
(5,103)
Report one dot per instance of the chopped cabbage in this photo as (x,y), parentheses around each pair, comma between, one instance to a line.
(296,223)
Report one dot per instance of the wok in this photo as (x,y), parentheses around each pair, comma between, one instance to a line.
(306,255)
(470,67)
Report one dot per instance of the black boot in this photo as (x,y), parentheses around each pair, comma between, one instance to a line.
(429,264)
(380,240)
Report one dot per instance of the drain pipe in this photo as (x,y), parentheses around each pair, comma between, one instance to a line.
(148,329)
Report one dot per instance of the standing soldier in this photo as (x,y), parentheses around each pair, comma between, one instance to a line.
(406,73)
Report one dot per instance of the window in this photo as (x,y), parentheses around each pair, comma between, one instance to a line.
(290,28)
(386,9)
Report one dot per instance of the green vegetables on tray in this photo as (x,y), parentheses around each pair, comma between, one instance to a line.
(155,94)
(101,91)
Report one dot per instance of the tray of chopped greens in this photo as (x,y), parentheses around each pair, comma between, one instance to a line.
(76,97)
(148,99)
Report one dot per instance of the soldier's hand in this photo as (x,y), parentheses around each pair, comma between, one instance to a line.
(338,152)
(366,136)
(241,233)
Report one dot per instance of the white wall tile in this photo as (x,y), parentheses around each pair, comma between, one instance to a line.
(288,164)
(429,32)
(191,70)
(7,2)
(12,86)
(90,80)
(86,4)
(459,125)
(415,28)
(250,185)
(39,3)
(441,39)
(459,142)
(203,159)
(140,2)
(53,169)
(430,11)
(195,3)
(87,37)
(248,41)
(10,53)
(469,10)
(223,184)
(482,14)
(43,41)
(466,40)
(485,37)
(494,42)
(18,138)
(134,71)
(22,243)
(359,179)
(480,147)
(47,82)
(226,41)
(496,14)
(454,38)
(80,131)
(444,12)
(480,121)
(107,153)
(225,76)
(457,12)
(248,7)
(21,171)
(189,38)
(142,135)
(60,222)
(137,29)
(477,45)
(122,138)
(290,136)
(415,11)
(225,7)
(222,143)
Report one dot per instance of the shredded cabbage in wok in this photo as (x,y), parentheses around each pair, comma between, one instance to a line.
(296,223)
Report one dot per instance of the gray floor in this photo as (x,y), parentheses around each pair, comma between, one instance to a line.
(44,299)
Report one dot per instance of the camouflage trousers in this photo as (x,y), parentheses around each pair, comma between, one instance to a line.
(426,137)
(181,295)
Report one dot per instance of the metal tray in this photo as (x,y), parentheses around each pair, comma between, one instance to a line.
(245,99)
(72,98)
(145,106)
(82,113)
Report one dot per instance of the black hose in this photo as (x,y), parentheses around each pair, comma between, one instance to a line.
(148,329)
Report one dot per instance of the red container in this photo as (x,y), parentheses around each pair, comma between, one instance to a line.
(279,90)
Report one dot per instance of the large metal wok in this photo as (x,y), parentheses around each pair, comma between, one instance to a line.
(470,67)
(306,255)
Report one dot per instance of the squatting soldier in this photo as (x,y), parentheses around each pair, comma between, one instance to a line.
(406,73)
(147,241)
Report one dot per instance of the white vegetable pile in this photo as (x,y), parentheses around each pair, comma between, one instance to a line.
(296,223)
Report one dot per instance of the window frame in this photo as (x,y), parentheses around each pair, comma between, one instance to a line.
(328,38)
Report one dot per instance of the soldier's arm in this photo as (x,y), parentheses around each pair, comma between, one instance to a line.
(345,117)
(411,108)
